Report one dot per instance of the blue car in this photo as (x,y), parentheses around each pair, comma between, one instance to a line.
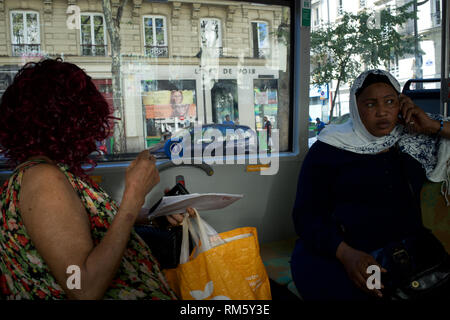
(233,139)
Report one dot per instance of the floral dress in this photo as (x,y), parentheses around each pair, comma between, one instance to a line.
(25,275)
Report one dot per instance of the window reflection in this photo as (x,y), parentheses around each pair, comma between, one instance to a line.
(180,63)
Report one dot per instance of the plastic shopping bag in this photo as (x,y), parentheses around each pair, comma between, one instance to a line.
(225,266)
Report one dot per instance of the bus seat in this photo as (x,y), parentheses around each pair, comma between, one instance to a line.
(429,100)
(276,257)
(435,213)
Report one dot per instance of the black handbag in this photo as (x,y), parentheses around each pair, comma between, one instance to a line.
(163,239)
(418,267)
(164,243)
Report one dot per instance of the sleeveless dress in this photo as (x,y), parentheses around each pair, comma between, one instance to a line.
(25,275)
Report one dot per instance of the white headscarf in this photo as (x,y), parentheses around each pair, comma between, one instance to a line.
(432,152)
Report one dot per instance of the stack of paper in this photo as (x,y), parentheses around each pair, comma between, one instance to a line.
(206,201)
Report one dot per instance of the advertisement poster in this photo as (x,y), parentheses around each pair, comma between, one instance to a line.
(169,103)
(261,97)
(266,104)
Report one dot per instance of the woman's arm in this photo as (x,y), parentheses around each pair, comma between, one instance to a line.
(58,225)
(445,132)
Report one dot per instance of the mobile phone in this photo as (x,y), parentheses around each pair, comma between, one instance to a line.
(399,116)
(177,190)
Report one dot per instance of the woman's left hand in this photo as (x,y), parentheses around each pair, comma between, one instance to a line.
(414,118)
(177,219)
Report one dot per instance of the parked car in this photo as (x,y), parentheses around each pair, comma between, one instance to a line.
(241,140)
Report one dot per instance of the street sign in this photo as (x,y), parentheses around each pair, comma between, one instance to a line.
(306,13)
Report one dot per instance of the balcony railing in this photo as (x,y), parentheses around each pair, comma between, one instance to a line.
(394,70)
(93,50)
(157,51)
(262,53)
(26,49)
(213,51)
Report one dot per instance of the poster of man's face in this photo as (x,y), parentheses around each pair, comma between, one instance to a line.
(163,104)
(178,108)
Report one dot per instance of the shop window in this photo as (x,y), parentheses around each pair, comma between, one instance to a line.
(261,45)
(155,36)
(93,35)
(211,35)
(105,87)
(168,107)
(152,98)
(25,33)
(7,74)
(265,105)
(225,102)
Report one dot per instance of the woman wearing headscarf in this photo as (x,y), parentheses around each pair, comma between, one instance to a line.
(353,194)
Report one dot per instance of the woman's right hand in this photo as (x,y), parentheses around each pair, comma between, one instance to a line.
(141,176)
(356,263)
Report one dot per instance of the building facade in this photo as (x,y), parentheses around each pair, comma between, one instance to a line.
(182,61)
(428,28)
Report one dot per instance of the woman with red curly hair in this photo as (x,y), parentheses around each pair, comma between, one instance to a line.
(54,222)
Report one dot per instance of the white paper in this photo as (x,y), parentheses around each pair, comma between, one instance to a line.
(205,201)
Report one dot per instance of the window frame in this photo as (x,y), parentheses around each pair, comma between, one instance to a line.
(268,37)
(292,148)
(25,28)
(166,40)
(316,16)
(105,38)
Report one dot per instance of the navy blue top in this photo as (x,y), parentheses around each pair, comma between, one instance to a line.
(360,198)
(320,126)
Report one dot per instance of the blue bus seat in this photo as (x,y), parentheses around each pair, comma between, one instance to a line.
(427,99)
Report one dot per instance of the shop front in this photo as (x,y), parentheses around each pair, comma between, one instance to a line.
(161,100)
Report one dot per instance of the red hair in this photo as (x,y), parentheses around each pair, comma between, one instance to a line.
(53,108)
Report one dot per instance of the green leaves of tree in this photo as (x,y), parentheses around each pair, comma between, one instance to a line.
(357,42)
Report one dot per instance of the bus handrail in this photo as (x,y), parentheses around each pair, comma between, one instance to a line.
(169,164)
(408,83)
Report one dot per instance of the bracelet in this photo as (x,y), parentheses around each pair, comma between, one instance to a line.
(440,128)
(152,223)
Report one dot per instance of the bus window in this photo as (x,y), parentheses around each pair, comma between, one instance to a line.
(407,46)
(179,63)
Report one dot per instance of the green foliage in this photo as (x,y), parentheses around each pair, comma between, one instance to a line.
(341,50)
(334,50)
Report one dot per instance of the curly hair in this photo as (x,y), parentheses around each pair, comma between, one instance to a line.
(53,108)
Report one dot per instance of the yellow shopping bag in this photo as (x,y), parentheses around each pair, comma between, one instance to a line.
(232,270)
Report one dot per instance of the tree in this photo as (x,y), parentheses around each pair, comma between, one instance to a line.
(367,40)
(112,20)
(283,39)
